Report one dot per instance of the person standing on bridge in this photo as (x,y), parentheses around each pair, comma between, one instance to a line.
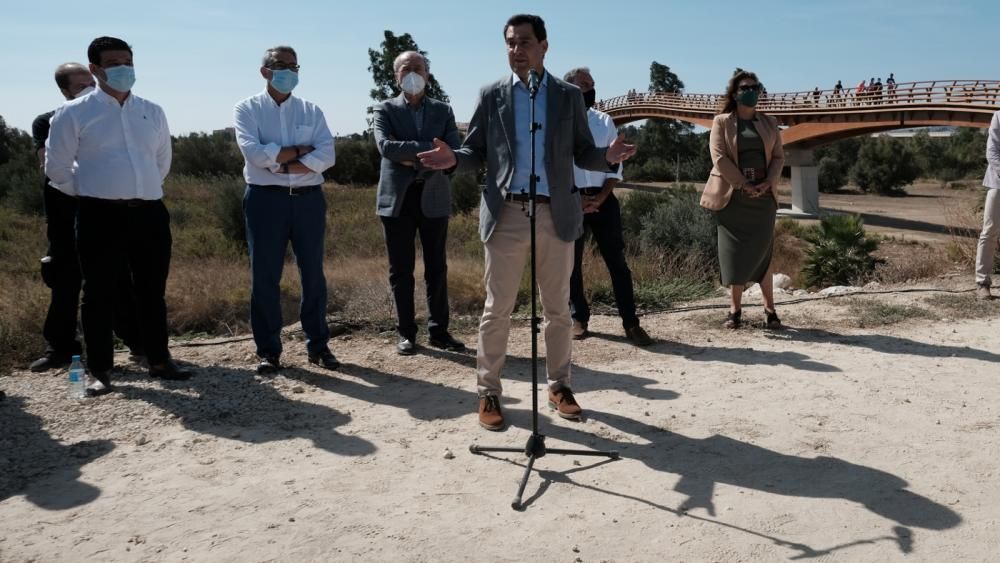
(747,157)
(602,216)
(986,249)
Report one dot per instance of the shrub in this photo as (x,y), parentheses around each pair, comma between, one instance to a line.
(832,174)
(465,193)
(840,252)
(358,161)
(884,166)
(680,225)
(635,207)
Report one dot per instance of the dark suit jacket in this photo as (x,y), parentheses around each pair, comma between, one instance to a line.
(398,141)
(490,141)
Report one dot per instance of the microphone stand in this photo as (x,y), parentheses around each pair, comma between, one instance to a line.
(535,448)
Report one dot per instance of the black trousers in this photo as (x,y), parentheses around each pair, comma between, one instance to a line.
(399,243)
(112,237)
(606,226)
(62,275)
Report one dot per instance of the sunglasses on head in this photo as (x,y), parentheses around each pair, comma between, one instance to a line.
(749,87)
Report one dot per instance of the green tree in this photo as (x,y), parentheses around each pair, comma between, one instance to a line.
(207,154)
(662,79)
(358,161)
(832,174)
(661,143)
(20,177)
(381,60)
(884,165)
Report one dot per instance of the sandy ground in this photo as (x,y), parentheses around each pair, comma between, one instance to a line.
(831,443)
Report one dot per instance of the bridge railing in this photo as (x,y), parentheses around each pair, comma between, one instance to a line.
(965,93)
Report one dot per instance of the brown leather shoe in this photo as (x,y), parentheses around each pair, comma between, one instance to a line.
(564,403)
(638,336)
(580,330)
(490,416)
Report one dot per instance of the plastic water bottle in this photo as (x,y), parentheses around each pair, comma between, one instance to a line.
(77,379)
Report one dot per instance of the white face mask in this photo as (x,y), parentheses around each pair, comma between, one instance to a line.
(84,92)
(413,84)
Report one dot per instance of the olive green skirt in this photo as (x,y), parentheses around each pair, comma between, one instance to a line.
(746,238)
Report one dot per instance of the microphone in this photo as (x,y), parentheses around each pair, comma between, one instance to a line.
(532,81)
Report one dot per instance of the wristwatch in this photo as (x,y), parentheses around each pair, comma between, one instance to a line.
(284,168)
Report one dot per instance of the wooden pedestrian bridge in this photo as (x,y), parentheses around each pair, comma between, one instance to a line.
(812,118)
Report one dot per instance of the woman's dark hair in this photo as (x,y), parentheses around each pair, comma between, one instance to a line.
(537,25)
(101,44)
(728,103)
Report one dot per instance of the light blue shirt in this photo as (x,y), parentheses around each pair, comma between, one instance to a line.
(522,137)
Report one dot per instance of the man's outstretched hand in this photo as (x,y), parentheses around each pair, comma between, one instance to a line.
(441,157)
(619,150)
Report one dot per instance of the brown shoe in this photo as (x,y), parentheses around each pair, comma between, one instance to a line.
(490,416)
(983,292)
(638,336)
(580,330)
(564,403)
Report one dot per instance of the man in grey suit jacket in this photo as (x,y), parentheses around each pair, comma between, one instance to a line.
(413,199)
(991,214)
(499,137)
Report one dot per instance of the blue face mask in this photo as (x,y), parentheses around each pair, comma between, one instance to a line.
(120,78)
(284,80)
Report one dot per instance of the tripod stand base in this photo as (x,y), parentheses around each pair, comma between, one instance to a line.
(534,449)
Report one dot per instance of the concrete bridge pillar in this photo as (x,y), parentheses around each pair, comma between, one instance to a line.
(805,184)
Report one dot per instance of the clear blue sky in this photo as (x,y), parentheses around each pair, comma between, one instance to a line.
(197,58)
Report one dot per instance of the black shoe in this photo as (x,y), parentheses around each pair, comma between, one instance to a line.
(405,346)
(324,359)
(734,320)
(773,322)
(101,384)
(49,361)
(447,342)
(638,336)
(169,371)
(268,365)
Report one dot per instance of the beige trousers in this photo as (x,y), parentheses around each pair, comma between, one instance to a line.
(507,251)
(988,239)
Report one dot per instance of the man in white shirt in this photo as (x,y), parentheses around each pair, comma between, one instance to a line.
(120,144)
(287,146)
(602,216)
(61,266)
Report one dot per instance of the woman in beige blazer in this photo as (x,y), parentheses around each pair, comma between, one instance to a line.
(747,158)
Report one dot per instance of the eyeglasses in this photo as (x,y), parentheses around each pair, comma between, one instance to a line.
(749,87)
(282,66)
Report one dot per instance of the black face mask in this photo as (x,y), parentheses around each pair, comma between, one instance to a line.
(589,98)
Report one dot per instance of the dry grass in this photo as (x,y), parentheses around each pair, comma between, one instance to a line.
(964,219)
(870,313)
(789,250)
(910,262)
(964,306)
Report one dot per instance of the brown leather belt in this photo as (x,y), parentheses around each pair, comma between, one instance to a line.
(594,190)
(526,197)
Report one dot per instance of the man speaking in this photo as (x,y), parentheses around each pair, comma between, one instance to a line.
(499,137)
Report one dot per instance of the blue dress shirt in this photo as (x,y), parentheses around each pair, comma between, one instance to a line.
(522,137)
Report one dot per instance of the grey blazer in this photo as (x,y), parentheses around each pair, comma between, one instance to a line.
(992,178)
(490,141)
(398,141)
